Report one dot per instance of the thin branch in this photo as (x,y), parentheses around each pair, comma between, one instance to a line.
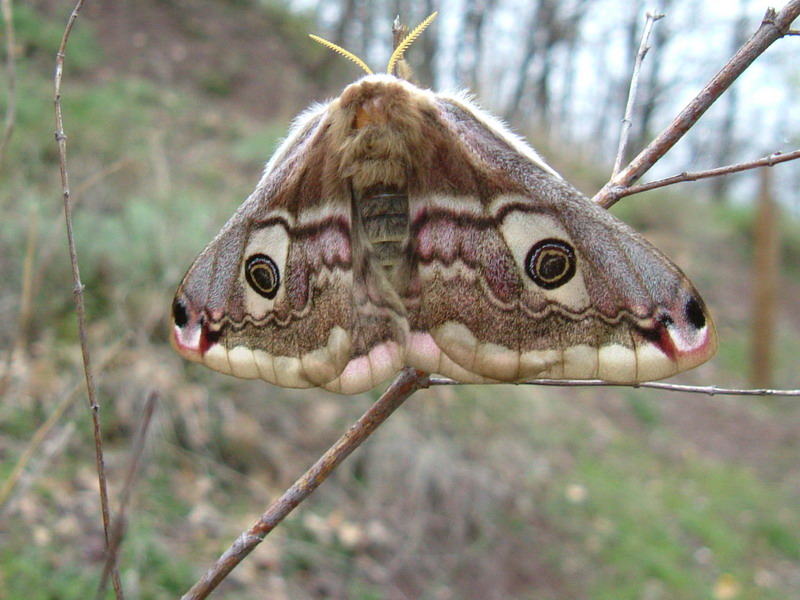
(767,161)
(627,121)
(61,140)
(773,27)
(118,530)
(408,382)
(710,390)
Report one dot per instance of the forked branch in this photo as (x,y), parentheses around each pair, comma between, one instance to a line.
(774,26)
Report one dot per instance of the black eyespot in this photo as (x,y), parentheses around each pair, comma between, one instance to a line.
(550,263)
(179,315)
(694,313)
(262,274)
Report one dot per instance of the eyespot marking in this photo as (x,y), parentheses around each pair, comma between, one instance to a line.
(694,313)
(263,275)
(550,263)
(179,315)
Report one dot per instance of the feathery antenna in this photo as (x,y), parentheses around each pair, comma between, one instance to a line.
(396,55)
(346,53)
(398,52)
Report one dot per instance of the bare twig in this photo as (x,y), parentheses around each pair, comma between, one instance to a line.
(118,529)
(710,390)
(61,140)
(767,161)
(11,79)
(408,382)
(627,121)
(774,26)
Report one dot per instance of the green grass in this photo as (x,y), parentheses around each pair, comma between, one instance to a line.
(678,523)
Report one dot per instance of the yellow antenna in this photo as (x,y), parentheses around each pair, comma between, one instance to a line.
(398,52)
(343,52)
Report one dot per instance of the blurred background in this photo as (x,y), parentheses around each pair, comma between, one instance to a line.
(172,108)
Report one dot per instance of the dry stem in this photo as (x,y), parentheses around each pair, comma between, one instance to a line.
(408,382)
(61,140)
(767,161)
(709,390)
(118,530)
(773,27)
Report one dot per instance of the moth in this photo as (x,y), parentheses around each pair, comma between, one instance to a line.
(397,226)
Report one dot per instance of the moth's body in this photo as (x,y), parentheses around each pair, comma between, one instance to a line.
(396,226)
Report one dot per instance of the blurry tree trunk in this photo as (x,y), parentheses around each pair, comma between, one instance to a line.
(633,31)
(562,114)
(540,31)
(600,136)
(554,24)
(363,29)
(765,283)
(470,41)
(727,131)
(369,14)
(426,66)
(322,70)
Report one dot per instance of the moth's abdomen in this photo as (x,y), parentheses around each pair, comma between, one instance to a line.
(379,128)
(384,215)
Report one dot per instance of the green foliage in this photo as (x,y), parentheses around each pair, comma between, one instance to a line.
(293,25)
(32,575)
(675,523)
(36,575)
(40,38)
(644,409)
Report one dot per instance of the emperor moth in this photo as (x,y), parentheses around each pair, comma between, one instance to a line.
(397,226)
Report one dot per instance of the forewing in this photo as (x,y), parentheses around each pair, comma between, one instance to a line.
(287,292)
(510,273)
